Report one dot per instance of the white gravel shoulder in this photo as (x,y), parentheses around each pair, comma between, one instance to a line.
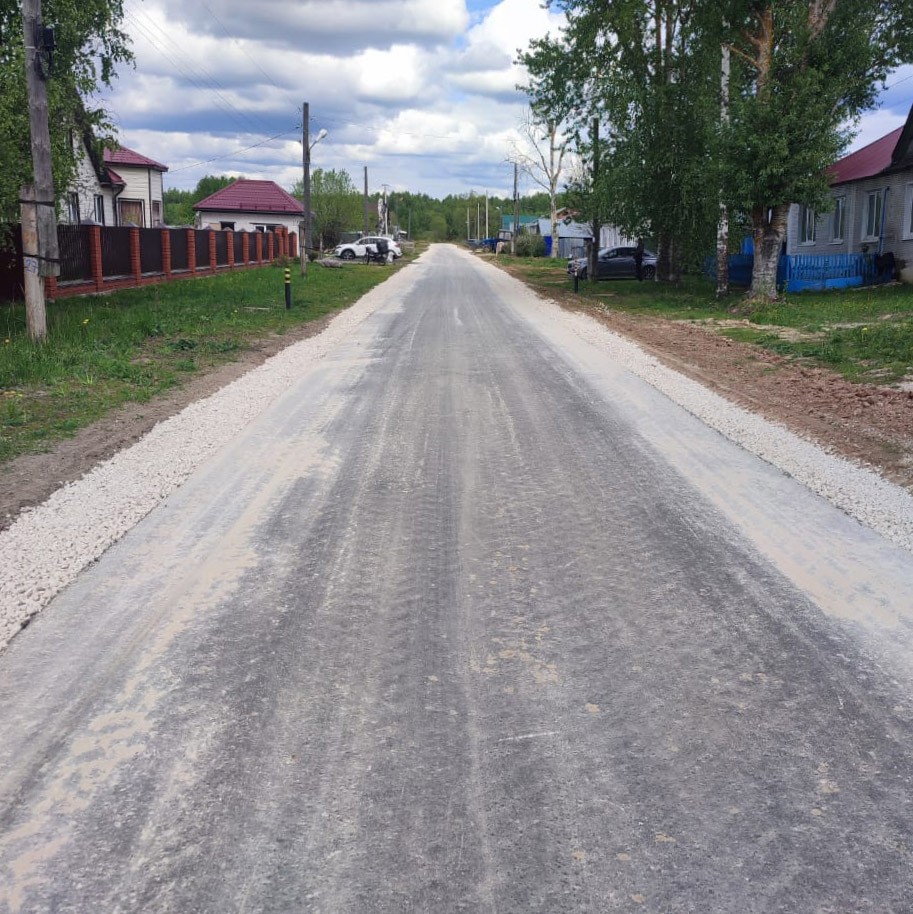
(46,548)
(858,490)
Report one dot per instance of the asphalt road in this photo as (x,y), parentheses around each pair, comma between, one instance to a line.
(469,621)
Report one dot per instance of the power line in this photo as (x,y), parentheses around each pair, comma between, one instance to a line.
(229,155)
(198,76)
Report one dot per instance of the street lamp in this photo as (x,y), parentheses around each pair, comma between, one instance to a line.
(307,146)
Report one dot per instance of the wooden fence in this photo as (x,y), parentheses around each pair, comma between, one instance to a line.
(97,258)
(799,272)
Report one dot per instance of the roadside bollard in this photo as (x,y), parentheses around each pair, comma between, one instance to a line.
(288,289)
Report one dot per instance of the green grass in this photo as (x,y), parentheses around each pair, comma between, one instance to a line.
(864,334)
(103,351)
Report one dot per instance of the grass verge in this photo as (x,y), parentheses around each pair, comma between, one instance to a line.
(106,350)
(864,334)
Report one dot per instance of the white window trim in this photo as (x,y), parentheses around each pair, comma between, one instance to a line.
(908,213)
(841,238)
(879,194)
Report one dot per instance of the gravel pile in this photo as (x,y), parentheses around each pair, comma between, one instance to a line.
(47,546)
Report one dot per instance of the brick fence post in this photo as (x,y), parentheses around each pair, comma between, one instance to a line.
(259,247)
(231,249)
(166,252)
(50,287)
(271,246)
(98,272)
(191,250)
(212,251)
(245,248)
(136,260)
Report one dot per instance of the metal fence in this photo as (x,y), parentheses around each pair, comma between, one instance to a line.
(75,254)
(201,239)
(78,248)
(150,250)
(115,251)
(179,259)
(221,248)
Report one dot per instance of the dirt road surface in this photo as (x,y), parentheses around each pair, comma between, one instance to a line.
(470,620)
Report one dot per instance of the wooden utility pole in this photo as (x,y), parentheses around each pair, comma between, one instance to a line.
(365,227)
(306,166)
(513,234)
(468,229)
(722,235)
(41,254)
(487,235)
(35,315)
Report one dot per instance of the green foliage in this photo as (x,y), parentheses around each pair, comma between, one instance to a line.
(530,245)
(89,46)
(179,203)
(336,203)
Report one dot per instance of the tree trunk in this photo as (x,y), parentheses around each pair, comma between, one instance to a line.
(768,232)
(664,256)
(554,214)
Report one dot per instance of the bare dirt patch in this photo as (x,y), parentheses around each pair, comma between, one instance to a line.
(28,480)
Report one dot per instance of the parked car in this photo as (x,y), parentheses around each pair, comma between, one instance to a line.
(615,263)
(352,249)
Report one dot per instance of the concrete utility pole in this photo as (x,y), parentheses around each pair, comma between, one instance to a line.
(487,234)
(468,229)
(365,227)
(513,234)
(41,255)
(306,165)
(35,314)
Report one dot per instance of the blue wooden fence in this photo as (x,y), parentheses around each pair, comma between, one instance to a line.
(799,272)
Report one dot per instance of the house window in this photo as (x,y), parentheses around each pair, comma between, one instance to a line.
(806,225)
(73,208)
(131,211)
(871,226)
(227,226)
(908,212)
(838,221)
(156,212)
(99,209)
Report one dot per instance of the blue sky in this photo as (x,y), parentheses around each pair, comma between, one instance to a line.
(422,93)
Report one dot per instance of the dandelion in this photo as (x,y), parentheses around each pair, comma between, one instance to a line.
(865,329)
(86,320)
(6,340)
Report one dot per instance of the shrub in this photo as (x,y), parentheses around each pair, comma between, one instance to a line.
(530,246)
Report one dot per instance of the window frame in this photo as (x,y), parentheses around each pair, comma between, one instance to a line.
(838,221)
(99,206)
(808,223)
(907,232)
(869,213)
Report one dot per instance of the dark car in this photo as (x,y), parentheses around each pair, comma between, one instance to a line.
(615,263)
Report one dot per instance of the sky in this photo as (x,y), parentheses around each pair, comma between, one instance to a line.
(422,92)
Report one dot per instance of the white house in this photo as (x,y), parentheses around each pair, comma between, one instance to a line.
(124,188)
(252,206)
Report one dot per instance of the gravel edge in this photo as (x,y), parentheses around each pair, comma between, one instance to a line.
(857,489)
(48,546)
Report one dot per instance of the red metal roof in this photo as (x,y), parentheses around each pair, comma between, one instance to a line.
(124,156)
(250,196)
(866,162)
(114,177)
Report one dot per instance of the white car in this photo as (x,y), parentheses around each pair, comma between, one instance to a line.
(352,249)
